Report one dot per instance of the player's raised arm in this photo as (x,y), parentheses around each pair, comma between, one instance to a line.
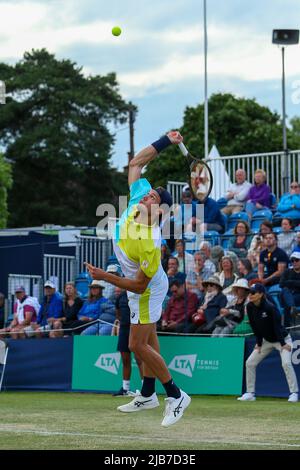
(149,153)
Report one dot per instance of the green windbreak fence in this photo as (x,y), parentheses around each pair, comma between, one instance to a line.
(198,365)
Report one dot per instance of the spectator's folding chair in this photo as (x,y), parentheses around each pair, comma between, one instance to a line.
(3,359)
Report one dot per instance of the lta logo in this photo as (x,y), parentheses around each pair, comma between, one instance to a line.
(109,362)
(184,364)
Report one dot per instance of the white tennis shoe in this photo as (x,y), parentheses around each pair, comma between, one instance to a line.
(293,398)
(140,403)
(175,408)
(248,396)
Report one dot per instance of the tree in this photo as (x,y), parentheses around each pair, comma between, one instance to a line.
(5,184)
(236,126)
(54,128)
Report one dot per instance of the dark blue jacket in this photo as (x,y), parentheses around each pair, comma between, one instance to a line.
(52,309)
(212,213)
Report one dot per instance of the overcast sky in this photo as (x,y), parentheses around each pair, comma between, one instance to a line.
(159,58)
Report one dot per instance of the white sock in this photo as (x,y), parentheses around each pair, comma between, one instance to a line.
(126,385)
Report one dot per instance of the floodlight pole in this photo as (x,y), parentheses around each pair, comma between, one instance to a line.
(286,173)
(205,86)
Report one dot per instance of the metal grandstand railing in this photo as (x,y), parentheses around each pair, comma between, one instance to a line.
(272,163)
(93,250)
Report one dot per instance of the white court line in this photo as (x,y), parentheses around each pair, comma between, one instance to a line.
(135,438)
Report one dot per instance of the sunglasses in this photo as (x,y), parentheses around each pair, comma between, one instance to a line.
(295,186)
(295,260)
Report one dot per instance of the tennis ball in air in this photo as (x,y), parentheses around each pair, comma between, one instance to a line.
(116,31)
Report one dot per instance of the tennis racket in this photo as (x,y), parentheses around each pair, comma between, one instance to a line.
(200,175)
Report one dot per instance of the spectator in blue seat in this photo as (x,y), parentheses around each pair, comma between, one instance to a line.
(287,238)
(259,194)
(109,291)
(72,304)
(227,275)
(184,213)
(97,308)
(214,220)
(290,285)
(173,272)
(185,259)
(245,269)
(239,243)
(289,204)
(257,243)
(51,309)
(237,193)
(273,261)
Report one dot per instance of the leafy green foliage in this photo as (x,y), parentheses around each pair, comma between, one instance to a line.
(54,128)
(236,126)
(5,184)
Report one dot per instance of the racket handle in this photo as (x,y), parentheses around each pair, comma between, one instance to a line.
(183,149)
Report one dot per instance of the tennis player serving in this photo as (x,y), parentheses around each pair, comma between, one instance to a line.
(137,244)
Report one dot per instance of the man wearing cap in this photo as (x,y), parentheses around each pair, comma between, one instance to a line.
(137,245)
(51,309)
(265,321)
(290,285)
(25,312)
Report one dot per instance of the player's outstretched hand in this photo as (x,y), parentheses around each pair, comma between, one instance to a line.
(96,273)
(175,137)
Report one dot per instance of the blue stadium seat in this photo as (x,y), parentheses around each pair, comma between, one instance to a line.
(235,218)
(82,282)
(260,216)
(213,237)
(275,291)
(225,238)
(273,202)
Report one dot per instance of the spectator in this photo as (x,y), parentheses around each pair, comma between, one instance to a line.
(289,204)
(186,262)
(173,272)
(227,275)
(290,285)
(237,193)
(257,243)
(272,262)
(259,194)
(181,306)
(217,253)
(240,242)
(51,309)
(2,312)
(205,249)
(26,309)
(245,270)
(233,314)
(286,239)
(184,213)
(165,255)
(214,220)
(99,308)
(200,273)
(209,308)
(109,291)
(72,304)
(265,321)
(297,242)
(123,315)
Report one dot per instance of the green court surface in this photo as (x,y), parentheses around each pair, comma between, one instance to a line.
(54,421)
